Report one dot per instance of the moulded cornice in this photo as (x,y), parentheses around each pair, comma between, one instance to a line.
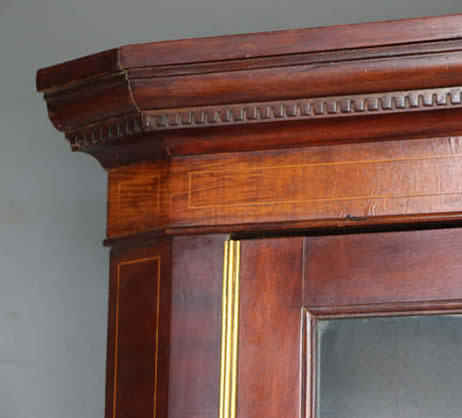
(155,92)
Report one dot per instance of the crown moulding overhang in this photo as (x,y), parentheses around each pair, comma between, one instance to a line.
(261,91)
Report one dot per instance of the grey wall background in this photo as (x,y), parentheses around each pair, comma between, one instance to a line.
(53,277)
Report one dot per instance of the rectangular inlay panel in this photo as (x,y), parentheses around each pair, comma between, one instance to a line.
(136,337)
(319,182)
(139,331)
(341,182)
(331,182)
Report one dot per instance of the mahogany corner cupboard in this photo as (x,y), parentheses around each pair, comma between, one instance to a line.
(284,217)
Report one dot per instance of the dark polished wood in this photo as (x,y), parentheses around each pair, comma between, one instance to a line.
(197,268)
(269,336)
(137,198)
(312,75)
(383,268)
(139,332)
(375,275)
(321,133)
(255,45)
(360,181)
(288,284)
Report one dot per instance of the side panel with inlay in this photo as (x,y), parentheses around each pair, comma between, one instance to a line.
(139,324)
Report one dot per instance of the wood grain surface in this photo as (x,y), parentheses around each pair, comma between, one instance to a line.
(147,92)
(197,271)
(138,332)
(269,339)
(137,198)
(284,132)
(253,45)
(355,181)
(383,268)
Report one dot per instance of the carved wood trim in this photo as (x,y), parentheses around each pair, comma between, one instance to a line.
(250,113)
(105,131)
(200,108)
(152,93)
(323,107)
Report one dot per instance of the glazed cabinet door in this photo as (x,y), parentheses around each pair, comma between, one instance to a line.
(350,326)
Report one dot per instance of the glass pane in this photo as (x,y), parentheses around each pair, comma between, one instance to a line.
(390,367)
